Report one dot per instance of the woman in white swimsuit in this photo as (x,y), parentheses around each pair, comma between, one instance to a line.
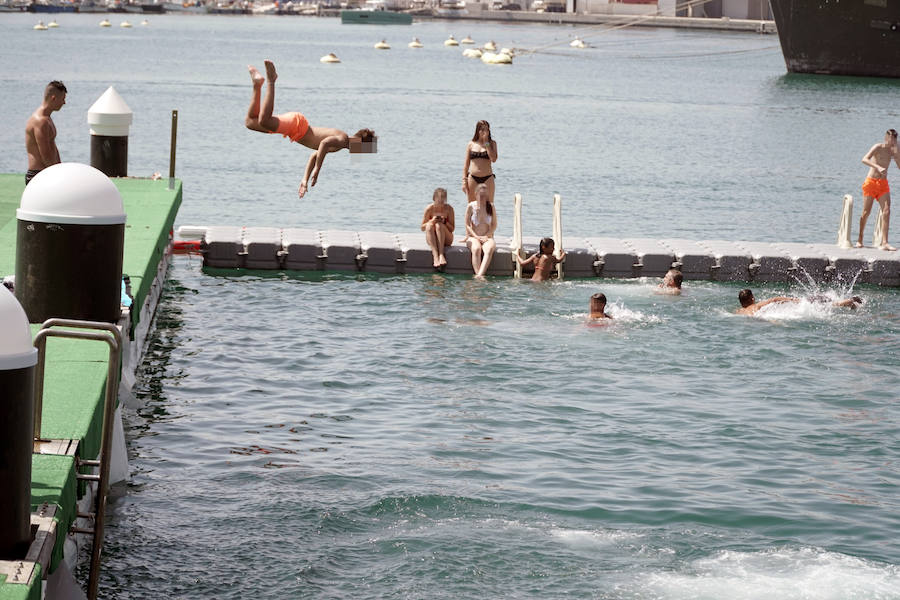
(481,222)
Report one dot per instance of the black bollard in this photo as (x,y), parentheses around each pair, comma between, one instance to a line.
(69,245)
(17,360)
(110,119)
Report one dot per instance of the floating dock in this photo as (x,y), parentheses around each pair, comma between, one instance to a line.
(74,384)
(267,248)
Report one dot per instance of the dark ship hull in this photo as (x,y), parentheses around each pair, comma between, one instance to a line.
(834,37)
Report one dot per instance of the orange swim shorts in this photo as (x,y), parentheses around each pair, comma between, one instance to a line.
(875,188)
(292,125)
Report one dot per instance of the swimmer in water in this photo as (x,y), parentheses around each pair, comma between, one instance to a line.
(294,126)
(598,308)
(543,260)
(671,283)
(749,305)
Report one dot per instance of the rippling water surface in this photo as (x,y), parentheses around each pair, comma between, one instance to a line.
(341,436)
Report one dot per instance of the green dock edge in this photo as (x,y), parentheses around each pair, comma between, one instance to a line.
(75,376)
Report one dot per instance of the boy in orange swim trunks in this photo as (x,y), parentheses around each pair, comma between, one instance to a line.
(876,187)
(294,126)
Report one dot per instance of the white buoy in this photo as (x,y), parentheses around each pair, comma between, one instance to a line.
(450,41)
(145,22)
(415,43)
(125,24)
(578,43)
(472,53)
(498,58)
(105,23)
(491,45)
(53,24)
(382,45)
(846,225)
(40,26)
(467,40)
(330,58)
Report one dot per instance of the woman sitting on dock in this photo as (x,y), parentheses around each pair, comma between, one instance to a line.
(438,223)
(294,125)
(480,153)
(481,222)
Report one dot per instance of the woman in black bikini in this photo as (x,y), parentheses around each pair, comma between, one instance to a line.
(480,153)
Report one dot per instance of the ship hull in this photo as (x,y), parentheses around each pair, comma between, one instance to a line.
(375,17)
(859,38)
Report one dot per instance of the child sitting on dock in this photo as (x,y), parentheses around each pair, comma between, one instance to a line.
(294,125)
(438,223)
(543,260)
(598,308)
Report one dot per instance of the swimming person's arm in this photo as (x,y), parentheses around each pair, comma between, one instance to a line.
(332,143)
(527,261)
(309,167)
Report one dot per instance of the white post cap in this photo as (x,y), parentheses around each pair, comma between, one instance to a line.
(109,115)
(16,349)
(71,193)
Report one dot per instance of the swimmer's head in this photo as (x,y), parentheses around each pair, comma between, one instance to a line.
(365,135)
(673,279)
(547,245)
(439,196)
(745,297)
(598,302)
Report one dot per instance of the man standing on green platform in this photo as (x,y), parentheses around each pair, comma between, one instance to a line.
(40,131)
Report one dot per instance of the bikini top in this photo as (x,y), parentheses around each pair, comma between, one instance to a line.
(483,154)
(477,215)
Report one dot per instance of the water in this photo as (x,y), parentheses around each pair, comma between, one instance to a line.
(336,436)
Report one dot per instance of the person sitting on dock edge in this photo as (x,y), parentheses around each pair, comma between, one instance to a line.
(876,187)
(481,223)
(40,131)
(543,260)
(438,223)
(671,283)
(749,305)
(295,126)
(598,308)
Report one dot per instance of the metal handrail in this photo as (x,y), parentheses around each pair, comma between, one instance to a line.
(112,384)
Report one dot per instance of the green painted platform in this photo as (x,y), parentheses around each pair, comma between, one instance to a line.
(75,373)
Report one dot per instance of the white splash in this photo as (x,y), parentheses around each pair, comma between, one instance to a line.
(777,574)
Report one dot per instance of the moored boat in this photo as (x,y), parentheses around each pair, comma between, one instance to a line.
(377,17)
(840,38)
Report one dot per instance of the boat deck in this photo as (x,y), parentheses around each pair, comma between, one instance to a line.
(75,375)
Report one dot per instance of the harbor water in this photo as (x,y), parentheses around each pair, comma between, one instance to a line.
(329,435)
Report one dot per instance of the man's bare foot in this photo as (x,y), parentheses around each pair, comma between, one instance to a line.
(302,191)
(256,76)
(858,245)
(887,247)
(271,75)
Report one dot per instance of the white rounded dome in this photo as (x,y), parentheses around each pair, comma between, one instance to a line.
(16,349)
(71,193)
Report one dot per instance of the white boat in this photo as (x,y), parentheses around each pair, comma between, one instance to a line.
(185,7)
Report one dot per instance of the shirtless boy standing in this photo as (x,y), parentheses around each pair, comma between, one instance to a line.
(40,132)
(875,187)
